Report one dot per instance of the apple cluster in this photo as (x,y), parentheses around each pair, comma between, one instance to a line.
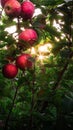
(25,10)
(14,8)
(22,62)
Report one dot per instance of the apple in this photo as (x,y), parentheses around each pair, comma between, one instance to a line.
(9,71)
(27,10)
(12,8)
(3,2)
(24,61)
(29,36)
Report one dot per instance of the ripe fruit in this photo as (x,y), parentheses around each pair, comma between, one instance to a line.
(27,8)
(9,70)
(24,61)
(12,8)
(28,35)
(3,2)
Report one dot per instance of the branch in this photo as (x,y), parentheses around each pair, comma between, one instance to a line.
(70,55)
(9,114)
(62,72)
(32,100)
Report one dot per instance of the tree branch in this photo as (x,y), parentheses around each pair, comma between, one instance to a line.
(9,114)
(62,72)
(32,100)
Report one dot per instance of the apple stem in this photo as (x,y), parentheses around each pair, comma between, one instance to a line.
(27,0)
(18,25)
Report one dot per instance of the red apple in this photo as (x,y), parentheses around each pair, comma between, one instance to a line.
(24,61)
(3,2)
(29,36)
(9,71)
(12,8)
(27,8)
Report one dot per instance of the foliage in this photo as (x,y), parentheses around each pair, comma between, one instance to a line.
(40,98)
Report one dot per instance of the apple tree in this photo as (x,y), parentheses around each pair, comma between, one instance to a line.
(36,64)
